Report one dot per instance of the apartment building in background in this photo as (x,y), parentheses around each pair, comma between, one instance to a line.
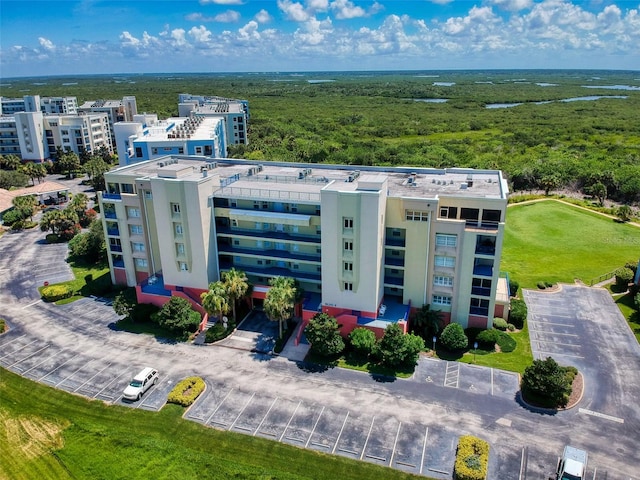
(366,244)
(35,103)
(35,136)
(116,110)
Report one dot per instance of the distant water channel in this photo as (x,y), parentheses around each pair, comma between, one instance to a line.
(573,99)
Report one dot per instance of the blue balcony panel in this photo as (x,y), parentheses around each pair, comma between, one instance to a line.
(483,311)
(485,250)
(271,253)
(483,270)
(111,196)
(271,271)
(481,291)
(394,280)
(267,235)
(394,242)
(109,214)
(114,232)
(115,248)
(395,261)
(118,263)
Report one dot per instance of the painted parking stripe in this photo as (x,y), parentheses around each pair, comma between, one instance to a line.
(314,428)
(265,416)
(367,440)
(42,361)
(64,363)
(107,386)
(8,342)
(547,332)
(289,422)
(340,434)
(30,355)
(395,444)
(424,449)
(601,415)
(539,341)
(243,409)
(19,348)
(542,352)
(94,376)
(218,407)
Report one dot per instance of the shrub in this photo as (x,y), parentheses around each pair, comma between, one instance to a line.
(548,284)
(472,333)
(631,266)
(453,337)
(323,333)
(397,349)
(3,325)
(545,383)
(186,391)
(142,312)
(500,323)
(511,327)
(506,343)
(12,216)
(518,313)
(53,293)
(513,287)
(636,300)
(541,285)
(487,339)
(218,332)
(472,458)
(177,316)
(624,276)
(362,340)
(52,238)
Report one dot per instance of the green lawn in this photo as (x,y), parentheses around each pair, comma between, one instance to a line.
(90,279)
(50,434)
(554,242)
(515,361)
(627,307)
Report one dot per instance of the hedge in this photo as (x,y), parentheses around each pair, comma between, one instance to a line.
(53,293)
(186,391)
(472,458)
(3,325)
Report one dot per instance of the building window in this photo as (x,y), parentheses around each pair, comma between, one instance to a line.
(416,216)
(443,240)
(183,266)
(141,262)
(347,222)
(180,150)
(479,307)
(443,281)
(178,229)
(449,212)
(154,151)
(135,229)
(440,300)
(348,245)
(265,205)
(233,202)
(175,208)
(348,286)
(133,212)
(348,266)
(139,152)
(138,247)
(294,208)
(180,248)
(127,188)
(148,195)
(441,261)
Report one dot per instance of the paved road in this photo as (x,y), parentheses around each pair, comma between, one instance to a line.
(408,424)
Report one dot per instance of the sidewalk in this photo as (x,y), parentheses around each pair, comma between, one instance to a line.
(293,352)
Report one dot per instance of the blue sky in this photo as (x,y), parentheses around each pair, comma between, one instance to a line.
(136,36)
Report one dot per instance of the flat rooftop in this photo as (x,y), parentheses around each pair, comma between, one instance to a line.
(310,178)
(181,128)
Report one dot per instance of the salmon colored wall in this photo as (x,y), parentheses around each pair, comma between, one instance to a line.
(446,318)
(157,300)
(140,276)
(499,311)
(478,322)
(121,276)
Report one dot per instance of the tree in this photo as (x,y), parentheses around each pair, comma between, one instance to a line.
(550,182)
(427,322)
(178,316)
(90,245)
(362,340)
(61,222)
(624,213)
(237,286)
(125,303)
(624,276)
(10,162)
(598,190)
(280,300)
(323,333)
(95,168)
(13,179)
(547,383)
(398,349)
(25,205)
(69,163)
(34,171)
(216,300)
(453,337)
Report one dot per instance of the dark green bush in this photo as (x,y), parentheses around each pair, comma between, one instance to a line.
(142,312)
(499,323)
(518,313)
(513,287)
(548,284)
(453,337)
(541,285)
(506,343)
(12,216)
(546,384)
(218,332)
(487,339)
(624,276)
(472,333)
(3,325)
(362,340)
(52,238)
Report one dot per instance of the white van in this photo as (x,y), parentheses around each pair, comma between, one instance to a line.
(140,383)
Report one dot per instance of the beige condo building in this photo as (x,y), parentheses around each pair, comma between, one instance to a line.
(366,244)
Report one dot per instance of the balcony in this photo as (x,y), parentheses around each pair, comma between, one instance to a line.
(114,232)
(269,253)
(394,261)
(270,271)
(481,291)
(483,311)
(110,214)
(483,270)
(394,242)
(115,248)
(396,281)
(486,245)
(481,225)
(267,234)
(111,196)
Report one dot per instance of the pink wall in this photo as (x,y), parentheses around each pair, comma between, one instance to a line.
(160,300)
(478,322)
(499,311)
(121,276)
(141,276)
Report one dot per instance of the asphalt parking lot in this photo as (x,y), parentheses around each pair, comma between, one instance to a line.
(256,333)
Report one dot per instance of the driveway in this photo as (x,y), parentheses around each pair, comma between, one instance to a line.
(410,424)
(256,333)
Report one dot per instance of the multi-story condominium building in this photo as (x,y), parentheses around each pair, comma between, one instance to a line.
(33,103)
(35,136)
(116,110)
(147,137)
(234,112)
(366,244)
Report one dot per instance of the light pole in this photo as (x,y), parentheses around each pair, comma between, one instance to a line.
(434,343)
(475,347)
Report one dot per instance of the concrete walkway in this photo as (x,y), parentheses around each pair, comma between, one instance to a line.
(293,352)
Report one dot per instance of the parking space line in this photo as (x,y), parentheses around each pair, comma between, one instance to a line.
(218,407)
(395,444)
(542,352)
(289,422)
(80,368)
(29,356)
(243,409)
(265,415)
(424,449)
(546,332)
(20,348)
(523,463)
(340,434)
(558,343)
(452,366)
(41,362)
(314,428)
(9,342)
(367,440)
(601,415)
(96,374)
(492,381)
(108,385)
(554,324)
(31,304)
(64,363)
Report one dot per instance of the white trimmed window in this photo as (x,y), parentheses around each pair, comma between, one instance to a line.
(348,286)
(347,222)
(444,240)
(133,212)
(175,208)
(135,229)
(440,300)
(183,266)
(416,216)
(348,245)
(441,261)
(443,281)
(180,248)
(348,266)
(141,262)
(178,229)
(138,247)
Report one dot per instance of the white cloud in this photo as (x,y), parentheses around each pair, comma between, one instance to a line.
(230,16)
(199,17)
(263,16)
(293,10)
(345,9)
(511,5)
(221,2)
(249,31)
(178,38)
(440,2)
(200,34)
(46,44)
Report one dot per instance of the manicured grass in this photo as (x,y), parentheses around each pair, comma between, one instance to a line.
(50,434)
(515,361)
(356,362)
(627,307)
(149,328)
(554,242)
(90,279)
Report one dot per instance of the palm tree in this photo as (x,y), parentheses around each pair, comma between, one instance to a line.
(26,205)
(280,300)
(237,287)
(427,322)
(216,300)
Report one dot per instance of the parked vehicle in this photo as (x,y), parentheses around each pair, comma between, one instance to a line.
(573,464)
(140,384)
